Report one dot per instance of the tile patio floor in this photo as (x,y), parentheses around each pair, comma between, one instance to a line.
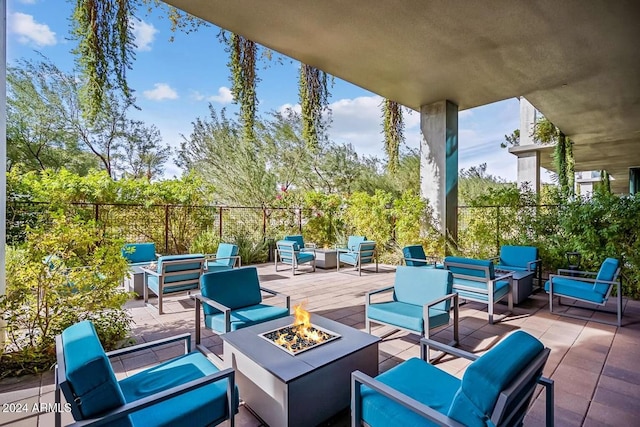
(595,366)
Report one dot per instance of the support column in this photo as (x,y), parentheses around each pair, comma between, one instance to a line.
(529,170)
(3,157)
(634,180)
(439,165)
(528,118)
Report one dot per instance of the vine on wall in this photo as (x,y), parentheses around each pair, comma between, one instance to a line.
(313,88)
(393,125)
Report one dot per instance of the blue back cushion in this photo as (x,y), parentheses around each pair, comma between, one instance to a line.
(517,256)
(470,271)
(607,272)
(226,250)
(297,239)
(414,251)
(487,376)
(235,288)
(88,370)
(419,286)
(197,264)
(354,242)
(139,252)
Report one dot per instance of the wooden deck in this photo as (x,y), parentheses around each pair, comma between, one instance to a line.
(595,366)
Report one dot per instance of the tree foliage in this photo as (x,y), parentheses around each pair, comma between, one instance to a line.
(313,89)
(393,130)
(48,130)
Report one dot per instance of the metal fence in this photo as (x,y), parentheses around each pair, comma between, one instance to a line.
(173,228)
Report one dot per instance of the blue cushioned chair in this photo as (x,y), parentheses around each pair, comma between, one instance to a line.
(232,300)
(187,391)
(359,251)
(519,258)
(173,273)
(299,240)
(475,280)
(422,300)
(289,252)
(226,258)
(495,390)
(414,256)
(588,289)
(139,254)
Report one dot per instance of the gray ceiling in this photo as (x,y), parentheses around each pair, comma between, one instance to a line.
(578,62)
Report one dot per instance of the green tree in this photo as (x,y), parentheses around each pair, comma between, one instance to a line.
(142,155)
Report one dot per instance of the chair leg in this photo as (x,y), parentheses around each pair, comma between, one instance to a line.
(160,302)
(198,332)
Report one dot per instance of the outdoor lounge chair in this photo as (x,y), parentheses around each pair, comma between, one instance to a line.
(187,391)
(495,390)
(359,251)
(289,252)
(299,240)
(226,258)
(414,256)
(422,300)
(173,273)
(140,254)
(588,289)
(475,280)
(232,300)
(519,258)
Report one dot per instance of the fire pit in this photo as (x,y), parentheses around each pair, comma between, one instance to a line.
(301,335)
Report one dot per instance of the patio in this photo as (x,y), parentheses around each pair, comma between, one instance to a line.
(594,365)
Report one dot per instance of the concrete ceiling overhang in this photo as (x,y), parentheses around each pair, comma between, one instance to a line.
(578,62)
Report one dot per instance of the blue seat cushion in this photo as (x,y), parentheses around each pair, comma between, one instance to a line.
(235,288)
(488,375)
(139,252)
(479,271)
(89,371)
(415,252)
(354,241)
(510,268)
(420,286)
(204,406)
(226,251)
(217,266)
(407,316)
(297,239)
(607,272)
(518,256)
(418,380)
(348,258)
(246,316)
(500,290)
(564,286)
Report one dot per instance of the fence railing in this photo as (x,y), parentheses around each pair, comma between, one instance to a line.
(173,228)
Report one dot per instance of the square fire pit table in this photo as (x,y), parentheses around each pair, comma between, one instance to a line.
(522,284)
(134,281)
(301,390)
(326,258)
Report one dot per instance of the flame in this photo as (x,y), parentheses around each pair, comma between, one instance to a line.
(302,320)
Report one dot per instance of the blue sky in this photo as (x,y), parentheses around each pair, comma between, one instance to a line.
(175,82)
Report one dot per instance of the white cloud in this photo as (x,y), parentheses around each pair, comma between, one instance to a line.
(30,31)
(196,96)
(144,34)
(161,91)
(224,96)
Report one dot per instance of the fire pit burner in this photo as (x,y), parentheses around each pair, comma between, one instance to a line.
(294,339)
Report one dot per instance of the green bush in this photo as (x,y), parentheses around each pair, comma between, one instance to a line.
(65,272)
(324,218)
(206,242)
(370,216)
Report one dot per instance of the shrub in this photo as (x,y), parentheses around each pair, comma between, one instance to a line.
(65,272)
(325,223)
(370,216)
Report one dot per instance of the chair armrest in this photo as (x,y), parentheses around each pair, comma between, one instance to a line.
(585,279)
(212,303)
(110,417)
(428,260)
(428,342)
(127,350)
(358,378)
(452,296)
(494,258)
(343,250)
(151,272)
(377,291)
(504,277)
(279,294)
(311,245)
(562,271)
(530,264)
